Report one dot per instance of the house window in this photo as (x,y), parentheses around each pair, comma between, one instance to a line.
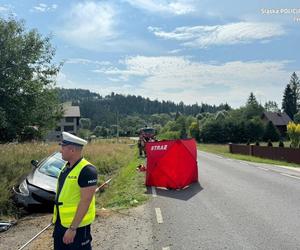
(69,128)
(69,119)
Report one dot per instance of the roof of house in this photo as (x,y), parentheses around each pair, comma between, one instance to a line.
(277,118)
(71,111)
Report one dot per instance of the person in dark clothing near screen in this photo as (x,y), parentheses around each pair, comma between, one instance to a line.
(74,209)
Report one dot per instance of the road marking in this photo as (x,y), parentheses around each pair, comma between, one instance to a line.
(153,191)
(290,176)
(158,215)
(166,248)
(219,157)
(263,168)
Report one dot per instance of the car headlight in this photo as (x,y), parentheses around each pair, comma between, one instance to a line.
(24,188)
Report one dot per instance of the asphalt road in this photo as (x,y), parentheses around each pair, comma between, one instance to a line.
(237,205)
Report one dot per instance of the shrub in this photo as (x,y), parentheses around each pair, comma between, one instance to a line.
(169,135)
(270,143)
(281,144)
(194,131)
(293,131)
(271,132)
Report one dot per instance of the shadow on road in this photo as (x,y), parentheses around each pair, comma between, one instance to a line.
(182,194)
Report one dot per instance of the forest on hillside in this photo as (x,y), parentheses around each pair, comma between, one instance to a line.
(106,110)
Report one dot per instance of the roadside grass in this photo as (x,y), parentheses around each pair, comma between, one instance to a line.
(223,149)
(111,157)
(14,165)
(127,188)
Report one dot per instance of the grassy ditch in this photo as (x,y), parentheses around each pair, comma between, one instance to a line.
(127,188)
(223,149)
(111,157)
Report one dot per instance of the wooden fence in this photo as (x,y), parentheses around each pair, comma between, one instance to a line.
(275,153)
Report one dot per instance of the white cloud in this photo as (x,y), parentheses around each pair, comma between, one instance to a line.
(62,80)
(42,7)
(86,61)
(90,24)
(4,9)
(7,10)
(179,7)
(178,78)
(233,33)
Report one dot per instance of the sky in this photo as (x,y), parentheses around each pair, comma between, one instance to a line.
(195,51)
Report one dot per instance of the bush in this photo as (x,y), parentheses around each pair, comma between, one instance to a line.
(169,135)
(254,129)
(270,143)
(30,133)
(271,132)
(194,131)
(84,133)
(212,131)
(257,143)
(281,144)
(293,131)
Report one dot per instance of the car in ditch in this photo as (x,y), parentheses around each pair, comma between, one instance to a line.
(39,186)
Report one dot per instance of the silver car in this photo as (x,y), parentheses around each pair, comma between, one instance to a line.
(39,187)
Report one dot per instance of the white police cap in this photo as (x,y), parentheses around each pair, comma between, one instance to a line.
(69,139)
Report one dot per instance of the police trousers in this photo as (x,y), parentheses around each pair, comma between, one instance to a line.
(82,240)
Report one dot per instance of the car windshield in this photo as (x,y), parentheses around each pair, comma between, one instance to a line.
(52,166)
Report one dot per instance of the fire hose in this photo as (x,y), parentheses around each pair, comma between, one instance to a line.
(43,230)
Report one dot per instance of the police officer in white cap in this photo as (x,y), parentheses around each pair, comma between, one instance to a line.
(74,208)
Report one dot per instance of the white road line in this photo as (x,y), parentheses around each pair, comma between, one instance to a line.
(290,176)
(219,157)
(166,248)
(244,163)
(158,215)
(153,191)
(263,168)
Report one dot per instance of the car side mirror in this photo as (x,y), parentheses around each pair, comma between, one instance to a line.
(34,163)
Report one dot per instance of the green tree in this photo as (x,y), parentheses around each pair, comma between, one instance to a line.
(84,133)
(181,124)
(85,123)
(212,131)
(295,86)
(252,108)
(252,100)
(3,123)
(288,103)
(100,131)
(27,95)
(194,131)
(271,132)
(254,129)
(297,118)
(271,106)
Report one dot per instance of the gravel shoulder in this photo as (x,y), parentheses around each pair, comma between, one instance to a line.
(125,229)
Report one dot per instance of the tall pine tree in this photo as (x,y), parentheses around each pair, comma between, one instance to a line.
(295,86)
(288,105)
(252,100)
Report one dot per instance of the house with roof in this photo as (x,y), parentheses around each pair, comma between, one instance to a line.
(279,119)
(68,123)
